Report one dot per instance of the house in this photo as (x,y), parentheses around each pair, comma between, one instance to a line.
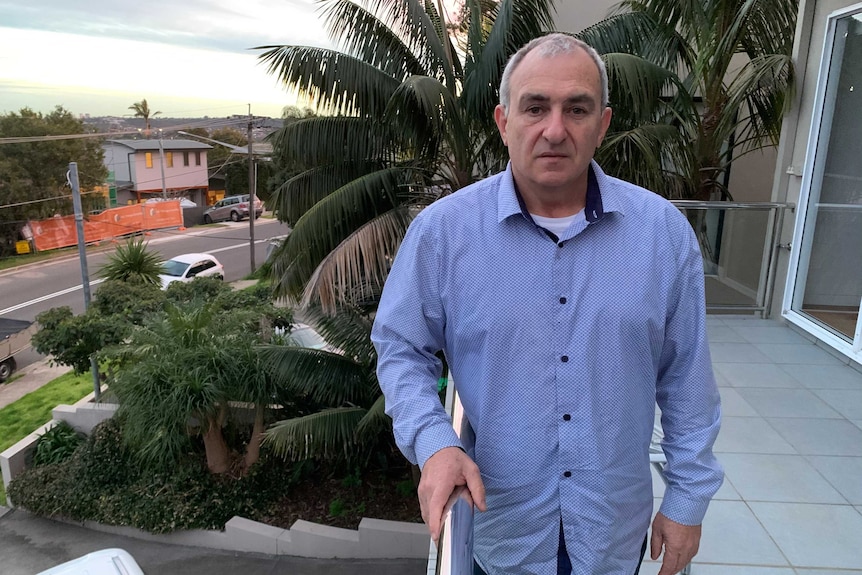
(143,169)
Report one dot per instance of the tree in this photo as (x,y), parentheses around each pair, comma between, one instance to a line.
(142,110)
(406,118)
(181,368)
(132,262)
(33,174)
(349,423)
(683,111)
(74,339)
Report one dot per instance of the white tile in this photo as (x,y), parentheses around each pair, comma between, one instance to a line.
(755,334)
(787,403)
(848,402)
(714,320)
(756,375)
(749,435)
(732,535)
(828,572)
(734,405)
(736,353)
(751,321)
(787,478)
(857,422)
(820,436)
(796,353)
(652,568)
(723,334)
(844,473)
(825,376)
(815,536)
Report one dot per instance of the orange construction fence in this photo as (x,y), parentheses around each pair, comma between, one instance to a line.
(60,231)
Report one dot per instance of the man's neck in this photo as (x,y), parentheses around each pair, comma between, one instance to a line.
(557,203)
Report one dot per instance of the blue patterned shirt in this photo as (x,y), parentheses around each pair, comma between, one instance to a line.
(559,349)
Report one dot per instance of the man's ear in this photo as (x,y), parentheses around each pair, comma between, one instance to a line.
(606,123)
(500,119)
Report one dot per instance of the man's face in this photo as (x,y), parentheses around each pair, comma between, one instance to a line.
(554,123)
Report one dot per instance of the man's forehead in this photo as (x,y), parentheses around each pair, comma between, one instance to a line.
(540,74)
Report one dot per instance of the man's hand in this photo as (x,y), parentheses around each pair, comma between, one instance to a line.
(680,543)
(442,473)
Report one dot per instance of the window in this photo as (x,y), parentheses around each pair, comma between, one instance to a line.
(197,158)
(185,158)
(169,159)
(148,157)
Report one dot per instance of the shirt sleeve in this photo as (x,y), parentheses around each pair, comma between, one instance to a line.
(408,331)
(686,391)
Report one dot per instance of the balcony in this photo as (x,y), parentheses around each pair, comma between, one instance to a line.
(791,437)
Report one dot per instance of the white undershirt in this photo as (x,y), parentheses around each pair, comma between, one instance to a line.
(557,226)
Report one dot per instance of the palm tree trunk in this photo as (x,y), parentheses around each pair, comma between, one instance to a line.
(252,452)
(217,452)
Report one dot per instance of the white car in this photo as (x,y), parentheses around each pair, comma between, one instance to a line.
(186,267)
(104,562)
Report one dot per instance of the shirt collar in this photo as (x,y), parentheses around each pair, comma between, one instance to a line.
(600,198)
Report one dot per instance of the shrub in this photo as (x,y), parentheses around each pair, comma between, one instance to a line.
(57,444)
(101,482)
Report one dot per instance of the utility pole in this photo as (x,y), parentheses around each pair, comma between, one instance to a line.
(251,192)
(162,160)
(82,254)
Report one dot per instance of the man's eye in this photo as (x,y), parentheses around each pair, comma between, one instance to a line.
(534,110)
(578,111)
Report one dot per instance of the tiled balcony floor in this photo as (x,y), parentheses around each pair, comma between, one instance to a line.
(791,446)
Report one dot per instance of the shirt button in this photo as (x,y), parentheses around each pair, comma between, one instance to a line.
(567,474)
(562,300)
(564,359)
(559,245)
(567,417)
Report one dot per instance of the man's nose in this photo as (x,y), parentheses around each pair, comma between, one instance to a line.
(555,129)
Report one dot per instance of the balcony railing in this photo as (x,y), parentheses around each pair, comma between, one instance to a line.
(739,242)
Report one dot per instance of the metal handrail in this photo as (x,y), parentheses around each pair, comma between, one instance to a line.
(766,283)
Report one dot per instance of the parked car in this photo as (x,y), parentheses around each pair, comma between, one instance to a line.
(104,562)
(233,208)
(186,267)
(14,337)
(302,335)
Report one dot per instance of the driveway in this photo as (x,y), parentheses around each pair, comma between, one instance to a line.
(30,544)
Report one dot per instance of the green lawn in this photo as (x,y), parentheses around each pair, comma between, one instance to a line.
(19,419)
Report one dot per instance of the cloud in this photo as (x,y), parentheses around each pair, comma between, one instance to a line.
(210,24)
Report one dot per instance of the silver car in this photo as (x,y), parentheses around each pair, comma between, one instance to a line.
(233,208)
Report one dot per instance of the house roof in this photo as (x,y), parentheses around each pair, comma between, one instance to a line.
(166,144)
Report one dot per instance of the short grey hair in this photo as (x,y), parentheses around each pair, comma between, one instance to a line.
(547,46)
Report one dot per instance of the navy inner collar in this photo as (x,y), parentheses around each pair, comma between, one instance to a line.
(593,208)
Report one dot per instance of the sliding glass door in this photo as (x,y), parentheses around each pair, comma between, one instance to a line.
(826,285)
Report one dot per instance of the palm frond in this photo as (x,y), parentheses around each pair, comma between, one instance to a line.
(349,330)
(375,422)
(516,22)
(362,260)
(637,85)
(293,198)
(364,36)
(327,377)
(337,83)
(429,112)
(331,140)
(331,220)
(413,24)
(328,434)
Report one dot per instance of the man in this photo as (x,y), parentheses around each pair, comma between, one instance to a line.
(567,303)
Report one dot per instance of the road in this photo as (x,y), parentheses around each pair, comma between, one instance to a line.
(32,289)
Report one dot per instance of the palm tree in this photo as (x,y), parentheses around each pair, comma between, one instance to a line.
(346,421)
(142,110)
(694,85)
(406,117)
(133,262)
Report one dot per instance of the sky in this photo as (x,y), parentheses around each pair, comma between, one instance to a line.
(188,59)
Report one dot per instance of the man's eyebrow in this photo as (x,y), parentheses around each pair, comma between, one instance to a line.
(536,98)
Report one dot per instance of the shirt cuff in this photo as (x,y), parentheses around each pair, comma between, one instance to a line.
(678,507)
(434,438)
